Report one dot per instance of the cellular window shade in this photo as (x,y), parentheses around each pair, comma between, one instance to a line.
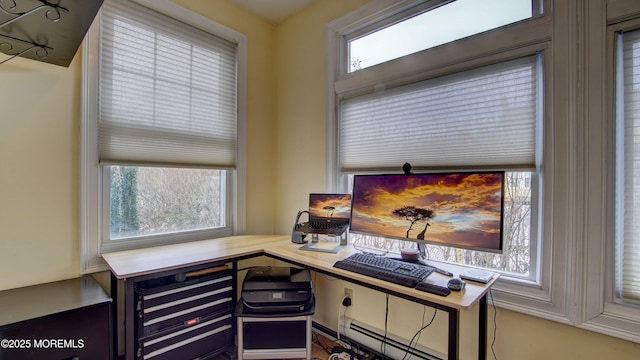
(167,91)
(629,246)
(481,117)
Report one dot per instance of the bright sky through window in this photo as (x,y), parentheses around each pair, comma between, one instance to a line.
(447,23)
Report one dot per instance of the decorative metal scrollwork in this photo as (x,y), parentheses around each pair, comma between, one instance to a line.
(50,31)
(41,51)
(52,13)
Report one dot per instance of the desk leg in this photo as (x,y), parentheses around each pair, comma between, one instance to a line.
(115,327)
(454,334)
(129,319)
(482,330)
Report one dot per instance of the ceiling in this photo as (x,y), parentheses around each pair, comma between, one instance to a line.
(274,11)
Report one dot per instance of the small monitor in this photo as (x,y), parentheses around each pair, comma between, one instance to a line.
(329,215)
(462,209)
(329,206)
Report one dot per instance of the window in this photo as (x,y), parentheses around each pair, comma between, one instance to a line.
(610,279)
(627,287)
(527,120)
(582,252)
(162,129)
(449,121)
(148,201)
(441,22)
(446,119)
(452,122)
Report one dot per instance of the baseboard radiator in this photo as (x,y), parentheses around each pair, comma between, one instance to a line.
(395,347)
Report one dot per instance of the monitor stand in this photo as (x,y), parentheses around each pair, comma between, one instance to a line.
(422,250)
(316,245)
(423,257)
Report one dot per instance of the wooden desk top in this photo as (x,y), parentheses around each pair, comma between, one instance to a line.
(130,263)
(323,262)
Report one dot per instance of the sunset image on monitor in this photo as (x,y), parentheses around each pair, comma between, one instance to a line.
(330,205)
(453,209)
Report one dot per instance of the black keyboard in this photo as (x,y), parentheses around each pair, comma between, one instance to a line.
(383,268)
(323,228)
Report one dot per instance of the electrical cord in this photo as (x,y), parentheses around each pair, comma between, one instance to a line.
(495,324)
(340,348)
(349,346)
(327,347)
(424,312)
(345,314)
(418,334)
(332,345)
(364,249)
(383,344)
(344,321)
(341,356)
(316,340)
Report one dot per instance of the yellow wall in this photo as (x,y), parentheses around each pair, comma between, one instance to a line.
(299,121)
(39,137)
(39,156)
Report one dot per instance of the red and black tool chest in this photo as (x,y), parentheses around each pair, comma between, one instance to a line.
(185,316)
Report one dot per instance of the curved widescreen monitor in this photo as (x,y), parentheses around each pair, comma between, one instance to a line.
(462,210)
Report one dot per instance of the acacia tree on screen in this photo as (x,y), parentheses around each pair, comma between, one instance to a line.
(329,210)
(413,215)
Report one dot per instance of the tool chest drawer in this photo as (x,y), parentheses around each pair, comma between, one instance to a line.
(185,316)
(207,335)
(170,305)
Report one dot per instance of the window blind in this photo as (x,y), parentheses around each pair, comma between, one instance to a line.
(480,117)
(167,91)
(629,172)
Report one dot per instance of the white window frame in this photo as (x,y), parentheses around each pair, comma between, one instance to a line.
(91,174)
(549,296)
(601,311)
(576,259)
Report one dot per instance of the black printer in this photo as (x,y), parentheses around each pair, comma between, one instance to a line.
(277,290)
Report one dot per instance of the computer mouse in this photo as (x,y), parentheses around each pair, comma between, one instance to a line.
(456,284)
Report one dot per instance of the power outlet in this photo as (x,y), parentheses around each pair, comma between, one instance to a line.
(349,293)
